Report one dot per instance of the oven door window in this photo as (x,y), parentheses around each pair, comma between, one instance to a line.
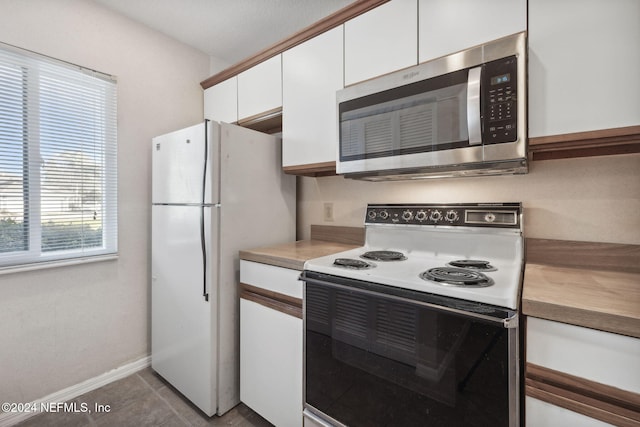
(428,115)
(375,361)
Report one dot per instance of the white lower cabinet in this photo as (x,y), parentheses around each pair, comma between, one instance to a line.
(271,343)
(592,356)
(543,414)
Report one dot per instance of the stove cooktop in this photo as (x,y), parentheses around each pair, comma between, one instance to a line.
(482,263)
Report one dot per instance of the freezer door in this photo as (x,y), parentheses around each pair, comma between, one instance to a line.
(179,170)
(183,322)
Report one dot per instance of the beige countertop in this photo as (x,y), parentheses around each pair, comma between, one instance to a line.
(294,254)
(598,299)
(604,297)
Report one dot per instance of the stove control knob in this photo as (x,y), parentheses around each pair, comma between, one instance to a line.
(421,216)
(451,216)
(435,216)
(407,215)
(371,214)
(383,214)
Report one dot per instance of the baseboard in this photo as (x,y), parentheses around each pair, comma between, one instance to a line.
(11,418)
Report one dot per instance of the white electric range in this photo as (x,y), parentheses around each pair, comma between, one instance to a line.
(420,326)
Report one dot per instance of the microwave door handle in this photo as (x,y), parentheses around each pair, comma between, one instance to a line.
(473,106)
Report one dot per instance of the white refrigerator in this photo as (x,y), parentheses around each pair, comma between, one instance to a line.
(216,189)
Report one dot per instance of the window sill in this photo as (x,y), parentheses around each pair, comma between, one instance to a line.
(55,264)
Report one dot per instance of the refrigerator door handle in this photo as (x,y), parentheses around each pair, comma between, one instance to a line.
(203,237)
(203,244)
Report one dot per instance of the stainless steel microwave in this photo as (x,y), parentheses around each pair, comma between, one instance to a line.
(461,114)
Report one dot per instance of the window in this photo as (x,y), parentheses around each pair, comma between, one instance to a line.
(58,177)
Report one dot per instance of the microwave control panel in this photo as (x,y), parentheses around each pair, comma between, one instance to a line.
(499,101)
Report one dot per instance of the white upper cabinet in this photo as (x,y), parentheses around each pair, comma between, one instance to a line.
(450,26)
(260,88)
(584,63)
(312,73)
(221,101)
(383,40)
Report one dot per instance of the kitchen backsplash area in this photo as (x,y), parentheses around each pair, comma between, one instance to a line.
(604,190)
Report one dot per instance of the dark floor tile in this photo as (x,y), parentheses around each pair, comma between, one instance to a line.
(187,410)
(242,416)
(116,395)
(147,410)
(142,399)
(154,380)
(57,419)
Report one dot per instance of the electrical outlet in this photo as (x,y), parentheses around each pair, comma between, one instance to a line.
(328,212)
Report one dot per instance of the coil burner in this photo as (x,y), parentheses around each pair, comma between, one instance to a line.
(384,256)
(473,264)
(454,276)
(354,264)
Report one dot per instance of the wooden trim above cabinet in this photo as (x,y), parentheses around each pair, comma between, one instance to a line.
(274,300)
(268,122)
(603,402)
(312,169)
(603,142)
(354,9)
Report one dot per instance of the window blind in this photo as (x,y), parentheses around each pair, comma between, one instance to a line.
(58,164)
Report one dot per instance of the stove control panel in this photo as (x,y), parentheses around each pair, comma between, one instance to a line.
(470,215)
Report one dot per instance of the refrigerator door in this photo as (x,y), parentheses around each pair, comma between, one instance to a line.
(182,163)
(184,323)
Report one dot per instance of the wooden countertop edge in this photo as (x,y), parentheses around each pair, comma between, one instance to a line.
(278,261)
(324,241)
(607,322)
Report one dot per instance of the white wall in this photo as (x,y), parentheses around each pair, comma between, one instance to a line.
(64,325)
(587,199)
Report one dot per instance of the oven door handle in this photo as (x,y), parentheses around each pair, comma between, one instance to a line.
(508,323)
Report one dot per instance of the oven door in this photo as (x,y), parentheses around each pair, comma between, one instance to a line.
(377,356)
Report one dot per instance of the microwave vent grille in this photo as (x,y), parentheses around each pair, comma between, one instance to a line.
(417,127)
(378,135)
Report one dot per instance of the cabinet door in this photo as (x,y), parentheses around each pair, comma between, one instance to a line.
(260,88)
(584,64)
(271,346)
(543,414)
(380,41)
(598,356)
(221,101)
(271,363)
(447,26)
(312,73)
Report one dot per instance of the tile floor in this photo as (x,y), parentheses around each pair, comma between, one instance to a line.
(142,399)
